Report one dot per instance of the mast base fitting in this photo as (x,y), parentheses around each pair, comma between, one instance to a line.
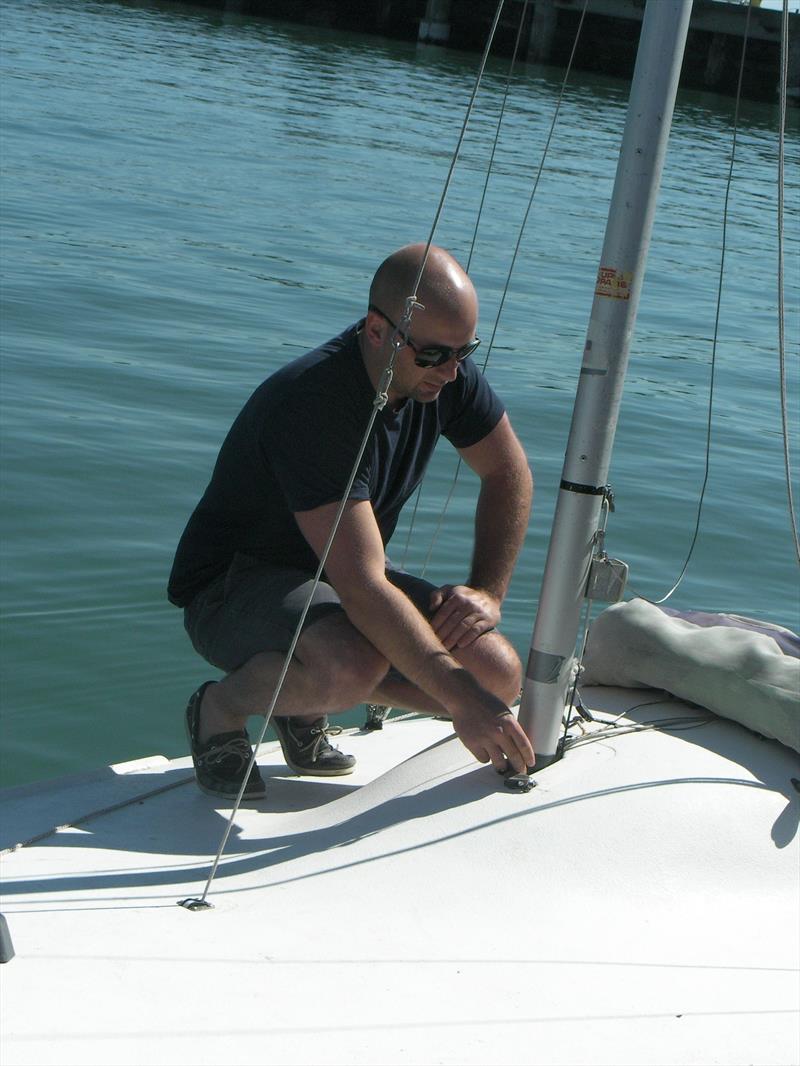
(545,760)
(194,904)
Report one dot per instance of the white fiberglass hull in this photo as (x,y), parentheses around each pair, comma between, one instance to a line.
(639,905)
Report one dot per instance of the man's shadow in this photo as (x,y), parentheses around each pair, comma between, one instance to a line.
(181,821)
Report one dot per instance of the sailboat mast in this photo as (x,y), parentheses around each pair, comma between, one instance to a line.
(605,358)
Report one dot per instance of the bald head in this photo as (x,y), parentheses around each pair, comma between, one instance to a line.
(443,289)
(445,323)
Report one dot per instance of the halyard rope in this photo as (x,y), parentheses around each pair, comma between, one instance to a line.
(781,311)
(723,248)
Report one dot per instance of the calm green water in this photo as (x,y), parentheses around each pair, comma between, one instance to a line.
(190,199)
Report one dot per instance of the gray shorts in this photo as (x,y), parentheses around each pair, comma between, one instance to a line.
(255,607)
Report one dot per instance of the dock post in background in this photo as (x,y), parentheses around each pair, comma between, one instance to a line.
(543,31)
(434,28)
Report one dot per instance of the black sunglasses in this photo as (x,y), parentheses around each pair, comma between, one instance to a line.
(436,355)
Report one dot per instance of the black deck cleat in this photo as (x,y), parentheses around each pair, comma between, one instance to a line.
(376,716)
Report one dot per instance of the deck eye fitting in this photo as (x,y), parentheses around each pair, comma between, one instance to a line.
(195,904)
(520,782)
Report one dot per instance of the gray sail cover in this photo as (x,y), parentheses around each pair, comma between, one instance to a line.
(737,667)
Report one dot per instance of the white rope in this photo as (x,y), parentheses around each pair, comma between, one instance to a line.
(715,337)
(381,398)
(781,310)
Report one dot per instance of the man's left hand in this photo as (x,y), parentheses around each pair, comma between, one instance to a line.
(462,614)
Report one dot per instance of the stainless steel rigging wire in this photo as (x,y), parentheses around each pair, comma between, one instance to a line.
(418,494)
(514,256)
(201,903)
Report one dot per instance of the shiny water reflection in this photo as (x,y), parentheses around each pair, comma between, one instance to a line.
(190,199)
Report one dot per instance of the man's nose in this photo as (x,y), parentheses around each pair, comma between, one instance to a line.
(449,370)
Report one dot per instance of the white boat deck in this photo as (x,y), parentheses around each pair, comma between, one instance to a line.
(639,905)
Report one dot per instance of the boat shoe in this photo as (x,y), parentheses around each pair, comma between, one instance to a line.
(221,762)
(307,750)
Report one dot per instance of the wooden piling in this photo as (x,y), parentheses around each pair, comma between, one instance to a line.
(434,27)
(543,31)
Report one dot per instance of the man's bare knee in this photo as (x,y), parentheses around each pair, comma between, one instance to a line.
(343,663)
(495,664)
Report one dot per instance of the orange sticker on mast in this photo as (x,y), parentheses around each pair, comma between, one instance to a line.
(614,283)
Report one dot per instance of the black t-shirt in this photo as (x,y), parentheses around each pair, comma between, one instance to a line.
(292,448)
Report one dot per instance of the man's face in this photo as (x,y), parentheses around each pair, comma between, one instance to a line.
(429,329)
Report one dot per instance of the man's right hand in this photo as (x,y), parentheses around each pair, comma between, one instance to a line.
(494,735)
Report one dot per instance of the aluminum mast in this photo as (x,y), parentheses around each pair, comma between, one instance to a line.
(605,358)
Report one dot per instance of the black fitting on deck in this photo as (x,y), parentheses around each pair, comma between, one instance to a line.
(520,782)
(195,904)
(376,715)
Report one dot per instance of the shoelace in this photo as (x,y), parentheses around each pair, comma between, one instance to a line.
(237,746)
(320,735)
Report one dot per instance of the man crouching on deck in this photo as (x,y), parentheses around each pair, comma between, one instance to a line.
(246,560)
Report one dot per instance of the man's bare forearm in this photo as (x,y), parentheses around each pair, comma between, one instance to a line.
(394,626)
(481,720)
(501,520)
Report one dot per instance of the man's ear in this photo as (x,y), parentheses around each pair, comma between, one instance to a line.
(375,327)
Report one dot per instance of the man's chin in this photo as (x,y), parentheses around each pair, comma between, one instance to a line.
(426,393)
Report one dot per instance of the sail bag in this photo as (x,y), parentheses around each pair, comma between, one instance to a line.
(737,667)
